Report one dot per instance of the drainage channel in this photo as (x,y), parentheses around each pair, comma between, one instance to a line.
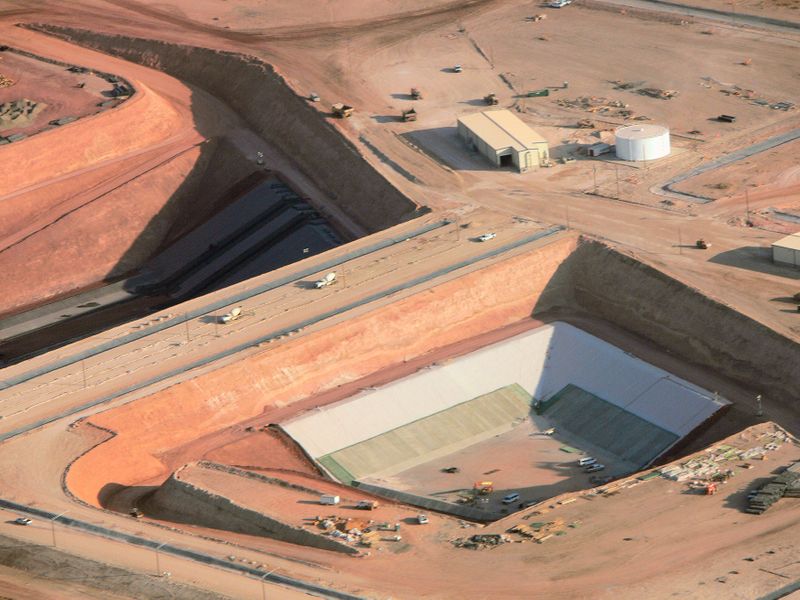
(192,555)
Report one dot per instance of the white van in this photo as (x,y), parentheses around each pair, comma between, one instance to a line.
(586,461)
(328,499)
(511,498)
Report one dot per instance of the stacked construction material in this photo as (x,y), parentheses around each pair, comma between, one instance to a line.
(786,484)
(5,81)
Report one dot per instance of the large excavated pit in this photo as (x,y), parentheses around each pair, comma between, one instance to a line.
(198,231)
(694,345)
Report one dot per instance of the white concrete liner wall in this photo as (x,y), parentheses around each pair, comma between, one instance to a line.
(542,361)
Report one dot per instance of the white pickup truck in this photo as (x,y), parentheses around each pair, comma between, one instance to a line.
(329,279)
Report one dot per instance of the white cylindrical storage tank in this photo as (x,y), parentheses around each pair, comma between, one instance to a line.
(642,142)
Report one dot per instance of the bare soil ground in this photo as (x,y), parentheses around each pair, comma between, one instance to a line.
(33,571)
(345,56)
(52,86)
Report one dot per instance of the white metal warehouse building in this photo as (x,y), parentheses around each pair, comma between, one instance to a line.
(786,251)
(504,139)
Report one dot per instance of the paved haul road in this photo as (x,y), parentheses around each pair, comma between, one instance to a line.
(137,361)
(730,18)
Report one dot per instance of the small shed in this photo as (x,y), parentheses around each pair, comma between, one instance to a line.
(786,251)
(600,148)
(504,139)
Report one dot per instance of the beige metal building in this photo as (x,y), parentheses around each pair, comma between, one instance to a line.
(786,251)
(505,140)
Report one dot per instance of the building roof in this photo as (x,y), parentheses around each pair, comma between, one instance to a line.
(641,132)
(501,129)
(791,242)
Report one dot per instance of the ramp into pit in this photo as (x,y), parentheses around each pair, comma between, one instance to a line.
(610,427)
(436,435)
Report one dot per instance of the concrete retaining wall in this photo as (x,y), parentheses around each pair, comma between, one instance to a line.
(279,115)
(653,305)
(465,512)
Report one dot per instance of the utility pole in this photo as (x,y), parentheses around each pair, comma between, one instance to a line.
(263,579)
(747,206)
(53,525)
(83,368)
(594,177)
(186,323)
(759,408)
(680,241)
(567,207)
(158,564)
(616,172)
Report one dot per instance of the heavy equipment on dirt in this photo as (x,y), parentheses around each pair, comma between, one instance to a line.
(483,487)
(490,99)
(416,94)
(409,115)
(342,111)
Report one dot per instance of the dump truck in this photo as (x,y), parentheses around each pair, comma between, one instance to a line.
(702,245)
(234,314)
(409,115)
(367,505)
(329,279)
(342,111)
(416,94)
(490,99)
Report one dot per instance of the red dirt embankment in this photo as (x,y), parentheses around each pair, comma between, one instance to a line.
(277,113)
(484,300)
(140,122)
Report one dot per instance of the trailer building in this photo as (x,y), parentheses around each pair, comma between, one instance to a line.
(504,139)
(786,251)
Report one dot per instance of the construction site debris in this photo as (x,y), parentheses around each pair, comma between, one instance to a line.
(535,18)
(416,94)
(5,81)
(598,104)
(586,124)
(409,115)
(480,541)
(18,113)
(658,93)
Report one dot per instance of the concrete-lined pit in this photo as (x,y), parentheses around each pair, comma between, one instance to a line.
(396,340)
(592,396)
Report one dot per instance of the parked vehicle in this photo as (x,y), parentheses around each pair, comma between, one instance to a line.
(457,69)
(22,521)
(586,461)
(559,3)
(422,519)
(486,237)
(511,498)
(329,279)
(594,468)
(329,499)
(367,505)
